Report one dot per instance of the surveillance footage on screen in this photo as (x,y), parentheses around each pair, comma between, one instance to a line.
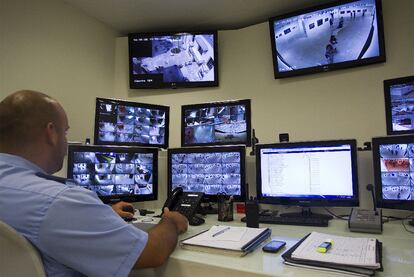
(108,173)
(402,106)
(128,124)
(217,124)
(397,171)
(211,173)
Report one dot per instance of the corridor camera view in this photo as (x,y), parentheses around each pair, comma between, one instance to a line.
(402,106)
(337,34)
(109,173)
(397,171)
(217,124)
(212,173)
(175,58)
(121,123)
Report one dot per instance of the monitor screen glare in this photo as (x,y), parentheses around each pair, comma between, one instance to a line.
(397,171)
(114,173)
(218,124)
(123,123)
(307,172)
(212,173)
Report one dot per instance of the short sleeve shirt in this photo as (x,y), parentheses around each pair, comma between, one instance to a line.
(75,233)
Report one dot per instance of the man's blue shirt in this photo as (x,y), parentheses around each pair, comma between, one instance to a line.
(75,233)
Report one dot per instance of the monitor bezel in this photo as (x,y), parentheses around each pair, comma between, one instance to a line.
(118,149)
(388,103)
(310,202)
(173,85)
(336,66)
(245,102)
(137,105)
(212,198)
(381,202)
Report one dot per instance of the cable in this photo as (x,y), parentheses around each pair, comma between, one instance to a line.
(405,227)
(342,217)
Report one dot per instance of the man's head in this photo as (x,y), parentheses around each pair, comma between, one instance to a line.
(33,125)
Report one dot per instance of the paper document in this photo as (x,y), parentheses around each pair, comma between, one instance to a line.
(344,250)
(225,237)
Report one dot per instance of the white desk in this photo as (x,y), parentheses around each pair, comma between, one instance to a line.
(398,253)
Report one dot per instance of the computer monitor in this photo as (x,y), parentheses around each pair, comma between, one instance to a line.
(308,174)
(119,122)
(216,123)
(115,173)
(399,105)
(336,35)
(393,159)
(212,170)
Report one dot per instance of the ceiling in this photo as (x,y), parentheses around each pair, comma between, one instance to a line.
(127,16)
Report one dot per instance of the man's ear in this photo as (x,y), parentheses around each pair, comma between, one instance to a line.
(50,133)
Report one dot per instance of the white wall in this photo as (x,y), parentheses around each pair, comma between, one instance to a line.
(49,46)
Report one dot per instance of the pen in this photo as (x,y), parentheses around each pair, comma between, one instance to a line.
(220,232)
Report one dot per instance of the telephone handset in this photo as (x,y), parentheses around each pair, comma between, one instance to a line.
(186,203)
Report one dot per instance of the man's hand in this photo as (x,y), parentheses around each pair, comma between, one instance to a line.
(123,209)
(179,220)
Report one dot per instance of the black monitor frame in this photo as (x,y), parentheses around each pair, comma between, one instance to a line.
(305,201)
(118,149)
(245,102)
(381,202)
(155,84)
(326,67)
(388,84)
(165,109)
(212,198)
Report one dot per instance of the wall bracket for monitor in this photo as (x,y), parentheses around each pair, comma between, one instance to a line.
(255,140)
(367,147)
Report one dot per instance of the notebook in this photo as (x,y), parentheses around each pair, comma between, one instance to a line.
(230,240)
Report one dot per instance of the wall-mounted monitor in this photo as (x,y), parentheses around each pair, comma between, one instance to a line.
(129,123)
(212,170)
(393,159)
(308,174)
(218,123)
(173,60)
(399,105)
(115,173)
(337,35)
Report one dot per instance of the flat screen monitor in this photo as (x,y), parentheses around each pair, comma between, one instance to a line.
(129,123)
(115,173)
(328,37)
(399,105)
(218,123)
(308,174)
(393,159)
(173,60)
(212,170)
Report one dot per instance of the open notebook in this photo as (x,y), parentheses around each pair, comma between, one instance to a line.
(227,240)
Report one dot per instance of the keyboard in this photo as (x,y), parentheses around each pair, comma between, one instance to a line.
(301,221)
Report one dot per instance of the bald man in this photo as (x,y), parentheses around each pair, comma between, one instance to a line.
(75,233)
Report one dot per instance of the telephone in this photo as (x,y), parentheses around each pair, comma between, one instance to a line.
(186,203)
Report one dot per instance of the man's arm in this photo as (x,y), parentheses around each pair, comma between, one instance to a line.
(162,240)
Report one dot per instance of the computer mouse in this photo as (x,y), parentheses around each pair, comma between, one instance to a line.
(196,220)
(129,209)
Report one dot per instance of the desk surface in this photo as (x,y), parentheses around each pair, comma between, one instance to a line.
(398,253)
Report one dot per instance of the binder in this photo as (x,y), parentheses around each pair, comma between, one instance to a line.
(336,267)
(227,240)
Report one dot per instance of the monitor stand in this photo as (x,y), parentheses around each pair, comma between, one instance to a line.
(208,209)
(306,212)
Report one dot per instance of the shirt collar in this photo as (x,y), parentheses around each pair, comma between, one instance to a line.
(19,162)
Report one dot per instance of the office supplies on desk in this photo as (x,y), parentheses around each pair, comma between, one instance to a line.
(359,256)
(221,239)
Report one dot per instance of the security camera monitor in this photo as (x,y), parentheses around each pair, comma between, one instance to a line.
(129,123)
(218,123)
(173,60)
(393,159)
(399,105)
(333,36)
(211,170)
(115,173)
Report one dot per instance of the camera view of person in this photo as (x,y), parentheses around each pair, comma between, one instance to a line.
(69,224)
(301,41)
